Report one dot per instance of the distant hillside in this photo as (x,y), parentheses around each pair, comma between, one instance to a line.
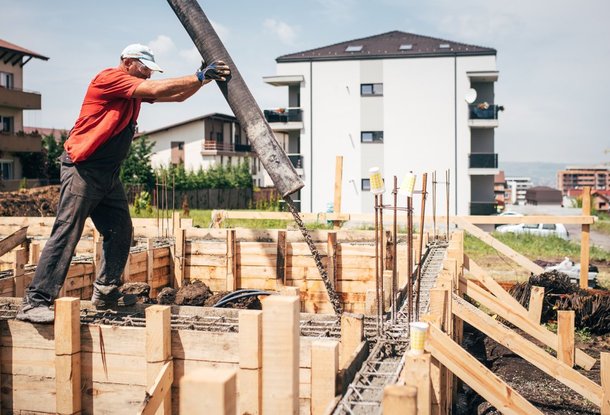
(542,174)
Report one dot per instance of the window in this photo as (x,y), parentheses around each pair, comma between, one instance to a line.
(353,48)
(530,226)
(6,80)
(549,226)
(371,89)
(406,46)
(6,124)
(177,152)
(366,185)
(371,137)
(6,169)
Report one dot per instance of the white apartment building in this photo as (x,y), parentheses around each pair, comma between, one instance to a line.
(203,142)
(517,188)
(397,101)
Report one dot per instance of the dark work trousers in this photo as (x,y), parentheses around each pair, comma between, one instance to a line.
(87,190)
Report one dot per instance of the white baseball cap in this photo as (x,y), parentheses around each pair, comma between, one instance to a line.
(143,54)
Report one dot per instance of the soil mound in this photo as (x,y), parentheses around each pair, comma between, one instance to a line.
(39,201)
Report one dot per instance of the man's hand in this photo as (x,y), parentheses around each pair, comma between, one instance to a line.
(216,71)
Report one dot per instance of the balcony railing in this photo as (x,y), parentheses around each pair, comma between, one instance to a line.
(17,98)
(484,112)
(284,115)
(483,161)
(296,160)
(211,145)
(20,143)
(483,208)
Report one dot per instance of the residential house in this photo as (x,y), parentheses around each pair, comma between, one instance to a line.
(600,199)
(14,100)
(398,101)
(203,142)
(577,177)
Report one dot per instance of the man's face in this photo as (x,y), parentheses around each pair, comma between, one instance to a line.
(139,70)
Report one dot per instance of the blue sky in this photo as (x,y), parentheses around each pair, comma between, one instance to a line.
(553,56)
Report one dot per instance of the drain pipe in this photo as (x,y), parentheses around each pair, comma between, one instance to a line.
(239,98)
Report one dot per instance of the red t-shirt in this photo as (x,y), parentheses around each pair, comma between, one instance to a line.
(107,109)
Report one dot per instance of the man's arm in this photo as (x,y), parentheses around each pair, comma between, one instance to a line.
(161,90)
(182,96)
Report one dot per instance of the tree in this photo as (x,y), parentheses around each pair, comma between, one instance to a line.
(44,164)
(136,167)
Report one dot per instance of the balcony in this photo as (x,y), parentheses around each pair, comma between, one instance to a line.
(483,116)
(211,147)
(483,161)
(483,208)
(19,143)
(297,162)
(17,98)
(285,119)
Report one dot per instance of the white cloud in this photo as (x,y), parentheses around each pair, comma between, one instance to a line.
(286,33)
(191,55)
(162,45)
(222,31)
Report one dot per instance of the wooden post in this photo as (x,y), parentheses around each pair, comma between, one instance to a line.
(97,249)
(416,373)
(536,304)
(250,362)
(126,269)
(399,400)
(149,263)
(179,258)
(67,356)
(324,368)
(176,223)
(158,352)
(21,258)
(331,247)
(280,262)
(281,355)
(352,334)
(584,239)
(231,262)
(34,252)
(208,392)
(565,336)
(605,380)
(338,181)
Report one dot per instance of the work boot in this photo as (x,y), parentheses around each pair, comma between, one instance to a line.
(109,297)
(36,313)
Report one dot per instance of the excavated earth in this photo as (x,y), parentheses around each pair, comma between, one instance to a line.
(39,201)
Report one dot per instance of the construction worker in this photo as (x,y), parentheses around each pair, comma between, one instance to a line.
(90,185)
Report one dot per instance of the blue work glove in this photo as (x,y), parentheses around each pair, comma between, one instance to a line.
(216,71)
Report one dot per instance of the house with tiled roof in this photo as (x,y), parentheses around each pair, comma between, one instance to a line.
(398,101)
(14,100)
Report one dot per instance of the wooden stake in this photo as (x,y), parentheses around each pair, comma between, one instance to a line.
(209,392)
(605,380)
(536,304)
(352,334)
(158,350)
(338,187)
(21,258)
(416,373)
(584,239)
(281,355)
(179,262)
(565,336)
(149,262)
(34,253)
(231,261)
(399,400)
(97,249)
(67,356)
(324,368)
(250,362)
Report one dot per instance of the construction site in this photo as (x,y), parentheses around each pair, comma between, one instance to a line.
(394,318)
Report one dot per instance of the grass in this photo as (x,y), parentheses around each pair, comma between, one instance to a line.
(602,225)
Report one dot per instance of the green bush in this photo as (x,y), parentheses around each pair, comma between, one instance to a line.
(217,177)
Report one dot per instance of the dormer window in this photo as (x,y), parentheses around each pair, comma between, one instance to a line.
(354,48)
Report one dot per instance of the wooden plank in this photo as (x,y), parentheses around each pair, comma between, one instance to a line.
(209,392)
(159,392)
(67,356)
(179,259)
(206,261)
(511,314)
(206,247)
(231,261)
(352,334)
(338,187)
(416,373)
(536,302)
(21,258)
(158,356)
(584,239)
(280,354)
(605,382)
(527,350)
(249,391)
(476,375)
(500,247)
(213,347)
(14,239)
(565,336)
(280,258)
(250,339)
(331,266)
(149,259)
(324,368)
(399,400)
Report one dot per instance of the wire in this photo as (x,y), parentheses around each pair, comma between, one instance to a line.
(235,295)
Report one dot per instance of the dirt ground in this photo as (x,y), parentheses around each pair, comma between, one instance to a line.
(39,201)
(543,391)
